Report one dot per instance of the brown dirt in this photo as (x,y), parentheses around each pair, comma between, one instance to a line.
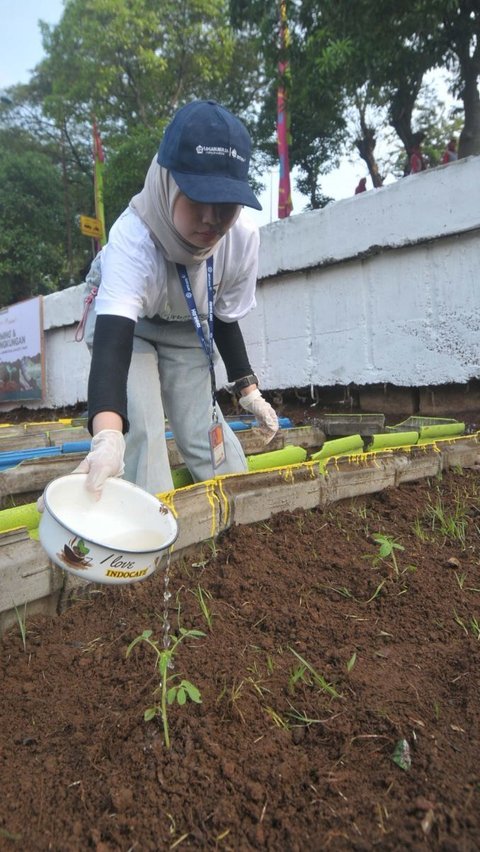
(270,759)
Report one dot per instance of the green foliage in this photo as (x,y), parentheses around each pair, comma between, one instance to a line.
(134,62)
(32,226)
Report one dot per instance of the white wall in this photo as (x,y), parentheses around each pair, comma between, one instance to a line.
(380,287)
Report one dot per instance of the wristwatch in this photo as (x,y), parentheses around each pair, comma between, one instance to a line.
(244,382)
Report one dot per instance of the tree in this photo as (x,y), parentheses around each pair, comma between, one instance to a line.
(316,120)
(129,64)
(32,255)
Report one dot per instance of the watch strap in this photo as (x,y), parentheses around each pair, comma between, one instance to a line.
(245,382)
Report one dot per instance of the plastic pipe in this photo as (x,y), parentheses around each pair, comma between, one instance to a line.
(392,439)
(340,446)
(276,458)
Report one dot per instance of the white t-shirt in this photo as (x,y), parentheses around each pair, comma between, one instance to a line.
(137,281)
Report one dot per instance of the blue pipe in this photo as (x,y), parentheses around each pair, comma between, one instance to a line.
(12,458)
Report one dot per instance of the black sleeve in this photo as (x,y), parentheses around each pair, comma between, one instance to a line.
(111,356)
(231,346)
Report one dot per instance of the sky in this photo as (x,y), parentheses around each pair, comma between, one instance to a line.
(21,49)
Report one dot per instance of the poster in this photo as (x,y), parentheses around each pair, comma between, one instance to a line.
(21,351)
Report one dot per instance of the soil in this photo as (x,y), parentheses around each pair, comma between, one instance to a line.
(280,754)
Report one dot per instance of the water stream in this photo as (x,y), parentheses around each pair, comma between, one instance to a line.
(166,599)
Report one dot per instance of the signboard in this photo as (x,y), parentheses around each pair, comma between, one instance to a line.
(21,351)
(91,227)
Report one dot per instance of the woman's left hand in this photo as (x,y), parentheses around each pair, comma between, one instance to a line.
(267,420)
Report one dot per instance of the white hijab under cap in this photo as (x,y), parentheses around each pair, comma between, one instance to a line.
(154,205)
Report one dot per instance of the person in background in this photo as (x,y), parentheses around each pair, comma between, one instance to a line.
(361,186)
(176,276)
(450,153)
(416,160)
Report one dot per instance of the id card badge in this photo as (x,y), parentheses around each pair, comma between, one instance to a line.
(217,445)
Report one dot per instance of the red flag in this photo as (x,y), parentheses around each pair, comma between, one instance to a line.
(285,205)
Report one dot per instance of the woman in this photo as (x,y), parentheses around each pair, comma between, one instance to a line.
(177,274)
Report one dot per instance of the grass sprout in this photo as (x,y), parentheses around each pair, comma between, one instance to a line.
(452,525)
(22,624)
(277,719)
(202,595)
(351,662)
(317,678)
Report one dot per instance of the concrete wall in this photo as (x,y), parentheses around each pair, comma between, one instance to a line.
(382,287)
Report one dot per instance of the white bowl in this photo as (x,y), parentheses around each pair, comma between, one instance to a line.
(117,539)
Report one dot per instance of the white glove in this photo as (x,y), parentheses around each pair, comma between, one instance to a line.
(104,459)
(254,403)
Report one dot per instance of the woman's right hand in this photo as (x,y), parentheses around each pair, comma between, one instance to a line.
(105,459)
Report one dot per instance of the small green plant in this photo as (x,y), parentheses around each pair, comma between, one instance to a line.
(386,550)
(460,622)
(475,626)
(318,679)
(300,718)
(22,624)
(276,718)
(351,662)
(201,596)
(452,525)
(419,531)
(172,688)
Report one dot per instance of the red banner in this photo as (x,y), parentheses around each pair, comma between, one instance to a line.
(285,205)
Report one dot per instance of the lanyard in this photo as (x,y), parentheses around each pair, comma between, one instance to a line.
(190,300)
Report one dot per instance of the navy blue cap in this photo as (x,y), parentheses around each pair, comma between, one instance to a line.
(207,150)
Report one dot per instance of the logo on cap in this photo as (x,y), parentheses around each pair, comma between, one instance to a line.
(218,150)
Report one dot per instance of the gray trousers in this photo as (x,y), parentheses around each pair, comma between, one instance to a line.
(169,377)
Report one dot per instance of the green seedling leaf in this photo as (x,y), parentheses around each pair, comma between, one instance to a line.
(192,691)
(352,661)
(171,694)
(401,755)
(181,696)
(150,714)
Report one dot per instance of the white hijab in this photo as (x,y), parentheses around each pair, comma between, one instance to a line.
(154,205)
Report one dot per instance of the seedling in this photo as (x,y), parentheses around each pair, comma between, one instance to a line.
(22,624)
(452,526)
(317,678)
(201,596)
(460,622)
(298,717)
(475,627)
(387,547)
(351,662)
(419,531)
(278,720)
(172,688)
